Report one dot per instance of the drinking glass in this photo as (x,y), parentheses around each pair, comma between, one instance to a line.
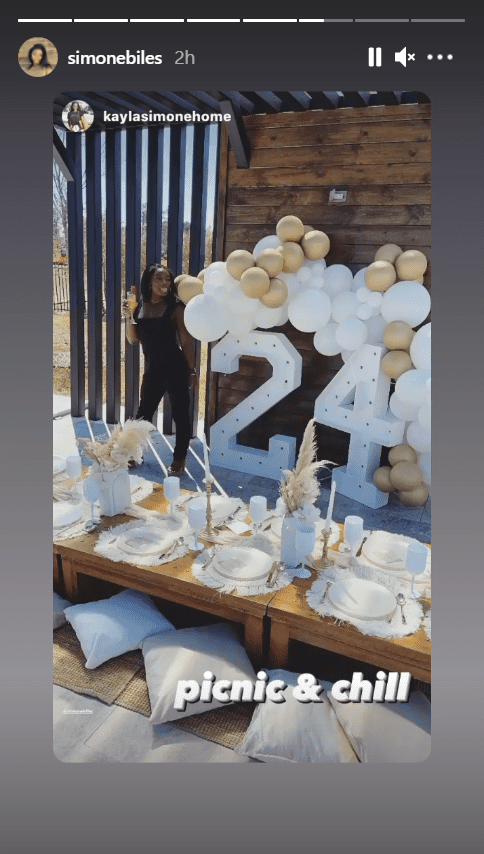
(91,494)
(258,510)
(305,542)
(74,470)
(416,561)
(171,486)
(132,303)
(197,514)
(354,533)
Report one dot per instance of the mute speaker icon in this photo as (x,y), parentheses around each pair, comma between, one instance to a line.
(401,56)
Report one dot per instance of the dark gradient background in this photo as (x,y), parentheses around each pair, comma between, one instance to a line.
(50,805)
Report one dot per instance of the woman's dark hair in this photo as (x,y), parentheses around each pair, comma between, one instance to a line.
(145,286)
(44,62)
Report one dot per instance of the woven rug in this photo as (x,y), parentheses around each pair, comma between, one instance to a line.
(122,681)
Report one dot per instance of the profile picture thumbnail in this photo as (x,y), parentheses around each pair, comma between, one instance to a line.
(78,116)
(38,57)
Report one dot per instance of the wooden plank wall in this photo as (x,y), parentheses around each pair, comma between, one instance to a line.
(382,157)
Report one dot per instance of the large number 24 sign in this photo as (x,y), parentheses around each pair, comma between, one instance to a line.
(355,401)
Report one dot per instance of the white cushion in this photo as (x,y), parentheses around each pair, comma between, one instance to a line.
(187,654)
(296,732)
(60,605)
(387,732)
(110,627)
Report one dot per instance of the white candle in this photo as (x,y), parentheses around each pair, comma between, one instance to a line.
(208,476)
(329,514)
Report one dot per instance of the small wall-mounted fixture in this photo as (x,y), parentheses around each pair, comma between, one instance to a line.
(338,195)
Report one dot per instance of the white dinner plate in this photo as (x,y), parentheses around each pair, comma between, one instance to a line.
(389,551)
(146,541)
(66,514)
(241,564)
(362,599)
(59,464)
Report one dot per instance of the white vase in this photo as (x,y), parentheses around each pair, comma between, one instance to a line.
(114,492)
(289,555)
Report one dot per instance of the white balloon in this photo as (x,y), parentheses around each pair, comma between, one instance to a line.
(310,310)
(411,387)
(242,304)
(428,390)
(364,311)
(407,301)
(424,417)
(337,278)
(319,267)
(293,285)
(304,274)
(270,242)
(420,348)
(266,318)
(418,438)
(316,282)
(205,319)
(425,466)
(351,333)
(375,327)
(325,340)
(344,305)
(362,294)
(359,279)
(284,309)
(345,354)
(401,410)
(374,298)
(240,324)
(217,267)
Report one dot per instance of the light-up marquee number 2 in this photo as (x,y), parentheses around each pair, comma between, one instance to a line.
(356,401)
(287,370)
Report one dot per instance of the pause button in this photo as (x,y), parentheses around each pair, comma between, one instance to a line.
(374,56)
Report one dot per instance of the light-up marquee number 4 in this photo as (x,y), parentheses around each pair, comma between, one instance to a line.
(356,401)
(287,370)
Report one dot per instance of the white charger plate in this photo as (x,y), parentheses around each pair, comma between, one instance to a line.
(146,541)
(276,528)
(362,599)
(66,514)
(222,507)
(389,551)
(241,564)
(59,464)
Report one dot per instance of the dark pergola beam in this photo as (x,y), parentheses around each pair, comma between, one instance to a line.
(242,102)
(353,99)
(320,101)
(237,134)
(264,102)
(386,99)
(63,158)
(293,102)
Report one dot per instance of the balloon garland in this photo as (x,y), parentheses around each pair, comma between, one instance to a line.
(285,277)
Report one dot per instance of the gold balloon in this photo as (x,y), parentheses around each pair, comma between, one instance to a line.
(290,228)
(388,252)
(315,245)
(415,497)
(398,335)
(238,262)
(180,278)
(381,479)
(402,453)
(276,295)
(271,261)
(405,476)
(395,363)
(255,282)
(201,274)
(380,275)
(411,264)
(292,255)
(189,287)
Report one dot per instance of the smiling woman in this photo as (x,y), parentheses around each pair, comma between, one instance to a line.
(169,351)
(37,57)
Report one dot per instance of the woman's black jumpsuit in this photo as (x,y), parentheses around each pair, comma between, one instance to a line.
(166,370)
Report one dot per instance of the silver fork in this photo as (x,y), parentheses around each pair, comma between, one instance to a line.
(328,585)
